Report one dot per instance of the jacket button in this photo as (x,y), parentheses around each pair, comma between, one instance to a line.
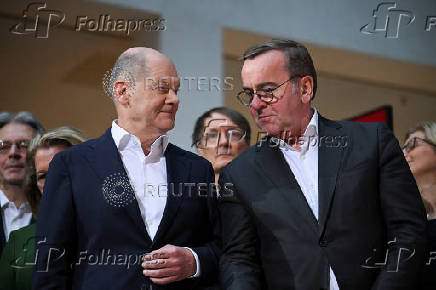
(323,243)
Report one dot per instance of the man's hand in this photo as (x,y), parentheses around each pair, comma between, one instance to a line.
(169,264)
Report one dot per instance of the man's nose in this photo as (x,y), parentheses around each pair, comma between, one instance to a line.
(257,103)
(14,152)
(172,97)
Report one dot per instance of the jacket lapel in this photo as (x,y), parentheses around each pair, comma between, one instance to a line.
(329,161)
(271,161)
(105,160)
(178,168)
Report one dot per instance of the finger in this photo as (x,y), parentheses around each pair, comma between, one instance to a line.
(155,264)
(163,281)
(159,273)
(162,253)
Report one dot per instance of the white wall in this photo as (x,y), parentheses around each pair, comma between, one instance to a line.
(193,36)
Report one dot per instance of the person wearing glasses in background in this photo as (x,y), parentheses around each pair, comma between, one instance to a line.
(420,152)
(16,131)
(221,134)
(18,255)
(318,203)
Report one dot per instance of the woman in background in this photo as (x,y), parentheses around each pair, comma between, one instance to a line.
(420,152)
(18,256)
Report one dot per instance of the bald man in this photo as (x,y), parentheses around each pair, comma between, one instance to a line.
(129,210)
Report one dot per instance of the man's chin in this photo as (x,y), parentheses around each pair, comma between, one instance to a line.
(13,181)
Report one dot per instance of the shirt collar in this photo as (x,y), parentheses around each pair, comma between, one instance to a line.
(312,124)
(3,199)
(122,139)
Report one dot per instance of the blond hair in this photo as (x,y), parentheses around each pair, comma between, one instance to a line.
(428,127)
(65,136)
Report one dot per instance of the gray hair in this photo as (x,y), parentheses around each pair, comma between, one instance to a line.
(128,67)
(22,117)
(428,127)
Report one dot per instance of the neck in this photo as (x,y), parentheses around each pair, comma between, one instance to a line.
(144,134)
(14,193)
(427,187)
(291,135)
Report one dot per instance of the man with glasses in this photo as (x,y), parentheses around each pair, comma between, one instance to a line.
(16,131)
(310,210)
(221,134)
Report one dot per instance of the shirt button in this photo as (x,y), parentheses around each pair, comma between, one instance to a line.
(303,157)
(134,142)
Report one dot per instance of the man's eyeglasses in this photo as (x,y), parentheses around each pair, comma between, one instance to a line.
(409,146)
(21,145)
(212,138)
(265,95)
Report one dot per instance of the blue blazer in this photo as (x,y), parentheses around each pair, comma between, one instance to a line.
(90,234)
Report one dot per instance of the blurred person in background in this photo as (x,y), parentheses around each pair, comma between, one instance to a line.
(19,253)
(16,132)
(420,152)
(221,134)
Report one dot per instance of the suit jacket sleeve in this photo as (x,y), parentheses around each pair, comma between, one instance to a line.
(209,253)
(55,230)
(404,215)
(239,264)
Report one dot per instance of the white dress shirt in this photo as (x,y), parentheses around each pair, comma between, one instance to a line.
(14,218)
(304,166)
(148,176)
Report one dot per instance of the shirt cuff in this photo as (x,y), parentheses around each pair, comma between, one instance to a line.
(197,262)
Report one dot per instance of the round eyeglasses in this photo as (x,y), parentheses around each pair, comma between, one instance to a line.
(266,95)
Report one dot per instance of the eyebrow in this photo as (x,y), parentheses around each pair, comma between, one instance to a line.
(261,85)
(226,127)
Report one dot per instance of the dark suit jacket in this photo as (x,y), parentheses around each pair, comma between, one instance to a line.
(2,233)
(17,259)
(369,205)
(91,234)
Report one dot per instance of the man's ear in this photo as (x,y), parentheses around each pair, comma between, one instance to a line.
(121,93)
(306,89)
